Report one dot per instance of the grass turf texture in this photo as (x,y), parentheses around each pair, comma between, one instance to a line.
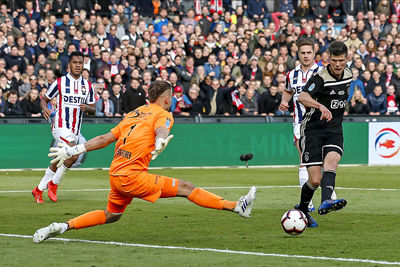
(366,229)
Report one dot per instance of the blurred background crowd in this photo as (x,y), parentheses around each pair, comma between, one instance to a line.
(223,57)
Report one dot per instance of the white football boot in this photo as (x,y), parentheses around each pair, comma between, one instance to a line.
(48,231)
(245,203)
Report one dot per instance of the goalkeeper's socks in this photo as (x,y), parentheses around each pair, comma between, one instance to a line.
(59,174)
(307,192)
(48,175)
(89,219)
(206,199)
(327,184)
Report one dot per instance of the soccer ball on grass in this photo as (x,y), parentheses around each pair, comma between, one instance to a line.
(294,222)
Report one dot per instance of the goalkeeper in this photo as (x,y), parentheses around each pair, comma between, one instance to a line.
(140,137)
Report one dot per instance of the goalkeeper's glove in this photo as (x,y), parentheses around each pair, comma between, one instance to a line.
(161,144)
(64,152)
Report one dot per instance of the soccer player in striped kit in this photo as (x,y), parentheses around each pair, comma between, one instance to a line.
(74,97)
(296,79)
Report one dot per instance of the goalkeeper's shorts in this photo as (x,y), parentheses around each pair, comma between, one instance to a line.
(140,184)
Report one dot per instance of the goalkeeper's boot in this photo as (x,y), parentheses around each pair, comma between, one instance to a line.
(245,203)
(311,207)
(331,205)
(311,222)
(37,194)
(52,193)
(49,231)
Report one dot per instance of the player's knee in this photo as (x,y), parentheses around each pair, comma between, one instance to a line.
(314,181)
(112,217)
(185,188)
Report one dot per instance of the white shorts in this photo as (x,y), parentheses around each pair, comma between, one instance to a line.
(64,135)
(296,132)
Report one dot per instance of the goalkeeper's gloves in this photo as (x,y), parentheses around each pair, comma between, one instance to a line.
(64,152)
(161,144)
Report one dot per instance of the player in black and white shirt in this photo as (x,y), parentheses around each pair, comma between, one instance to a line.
(321,142)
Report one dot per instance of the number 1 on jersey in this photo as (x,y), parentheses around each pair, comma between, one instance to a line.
(132,127)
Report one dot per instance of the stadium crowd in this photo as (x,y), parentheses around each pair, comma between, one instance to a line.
(222,57)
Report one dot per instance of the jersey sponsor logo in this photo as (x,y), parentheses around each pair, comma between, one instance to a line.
(341,93)
(335,104)
(73,99)
(298,89)
(312,86)
(332,92)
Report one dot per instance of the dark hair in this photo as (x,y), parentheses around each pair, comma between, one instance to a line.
(337,48)
(305,41)
(13,92)
(158,88)
(75,54)
(114,84)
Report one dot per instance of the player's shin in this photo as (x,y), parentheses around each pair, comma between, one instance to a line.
(59,174)
(327,184)
(89,219)
(307,192)
(49,174)
(206,199)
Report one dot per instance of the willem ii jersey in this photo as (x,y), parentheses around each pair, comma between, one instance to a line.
(296,79)
(70,93)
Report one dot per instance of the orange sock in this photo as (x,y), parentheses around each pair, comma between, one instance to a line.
(89,219)
(229,205)
(206,199)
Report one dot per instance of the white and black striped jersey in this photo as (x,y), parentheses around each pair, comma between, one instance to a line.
(296,79)
(70,94)
(330,92)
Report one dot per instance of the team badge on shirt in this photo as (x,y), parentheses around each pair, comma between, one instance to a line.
(167,123)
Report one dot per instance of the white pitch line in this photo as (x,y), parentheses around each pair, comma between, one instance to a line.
(227,251)
(215,187)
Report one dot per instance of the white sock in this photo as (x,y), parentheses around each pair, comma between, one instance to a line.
(334,196)
(48,175)
(59,174)
(303,178)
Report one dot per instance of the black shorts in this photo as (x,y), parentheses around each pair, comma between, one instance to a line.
(316,144)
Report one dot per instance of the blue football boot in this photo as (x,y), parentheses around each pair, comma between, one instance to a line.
(310,220)
(331,205)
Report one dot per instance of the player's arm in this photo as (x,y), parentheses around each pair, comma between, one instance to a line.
(284,106)
(312,88)
(287,94)
(45,109)
(64,152)
(89,108)
(162,140)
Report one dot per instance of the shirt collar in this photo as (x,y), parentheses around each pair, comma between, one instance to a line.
(72,78)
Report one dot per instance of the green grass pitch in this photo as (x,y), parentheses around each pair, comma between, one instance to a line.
(367,229)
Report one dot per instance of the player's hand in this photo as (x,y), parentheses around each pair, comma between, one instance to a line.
(46,113)
(325,113)
(284,106)
(161,144)
(83,107)
(64,152)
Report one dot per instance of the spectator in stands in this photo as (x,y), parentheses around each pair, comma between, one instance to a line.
(374,82)
(31,104)
(180,104)
(321,11)
(14,61)
(269,102)
(13,106)
(250,103)
(358,104)
(356,84)
(198,108)
(377,102)
(53,63)
(104,106)
(252,72)
(211,67)
(258,10)
(133,97)
(303,10)
(2,104)
(392,101)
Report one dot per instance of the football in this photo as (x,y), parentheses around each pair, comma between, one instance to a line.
(294,222)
